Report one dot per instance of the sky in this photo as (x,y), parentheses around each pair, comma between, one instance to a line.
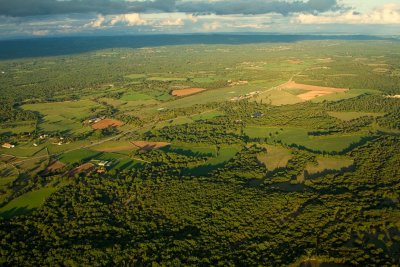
(41,18)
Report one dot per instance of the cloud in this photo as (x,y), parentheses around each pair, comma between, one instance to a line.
(132,19)
(388,14)
(172,22)
(97,23)
(24,8)
(21,8)
(212,26)
(225,7)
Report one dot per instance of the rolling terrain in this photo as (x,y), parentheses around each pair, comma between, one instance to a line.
(202,153)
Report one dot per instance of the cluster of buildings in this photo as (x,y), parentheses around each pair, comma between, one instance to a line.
(94,120)
(233,83)
(246,96)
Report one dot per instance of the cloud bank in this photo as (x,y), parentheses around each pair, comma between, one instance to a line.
(388,14)
(23,8)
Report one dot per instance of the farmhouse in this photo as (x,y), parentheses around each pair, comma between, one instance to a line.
(104,163)
(8,145)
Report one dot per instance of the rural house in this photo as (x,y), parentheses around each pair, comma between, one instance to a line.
(7,145)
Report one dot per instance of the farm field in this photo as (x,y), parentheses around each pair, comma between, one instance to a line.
(222,156)
(103,124)
(27,202)
(328,164)
(275,157)
(300,137)
(348,116)
(188,91)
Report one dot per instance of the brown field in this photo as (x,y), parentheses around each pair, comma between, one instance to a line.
(315,91)
(187,91)
(145,145)
(103,124)
(54,166)
(87,167)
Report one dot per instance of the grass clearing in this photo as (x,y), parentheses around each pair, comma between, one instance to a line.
(348,116)
(177,121)
(296,91)
(65,116)
(223,155)
(346,95)
(17,127)
(275,157)
(115,146)
(278,98)
(146,145)
(220,94)
(135,96)
(328,163)
(300,137)
(135,76)
(27,202)
(81,155)
(207,115)
(167,79)
(192,149)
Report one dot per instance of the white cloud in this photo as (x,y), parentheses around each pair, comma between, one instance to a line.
(172,22)
(132,19)
(97,23)
(388,14)
(212,26)
(192,18)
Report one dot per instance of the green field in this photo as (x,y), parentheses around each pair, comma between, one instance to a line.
(347,95)
(348,116)
(135,96)
(192,149)
(275,157)
(17,127)
(207,115)
(225,154)
(220,94)
(166,79)
(328,163)
(300,137)
(278,98)
(27,202)
(64,116)
(135,76)
(81,155)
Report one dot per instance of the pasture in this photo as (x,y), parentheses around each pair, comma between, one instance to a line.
(348,116)
(222,156)
(65,116)
(209,115)
(115,146)
(300,137)
(27,202)
(328,164)
(275,157)
(135,96)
